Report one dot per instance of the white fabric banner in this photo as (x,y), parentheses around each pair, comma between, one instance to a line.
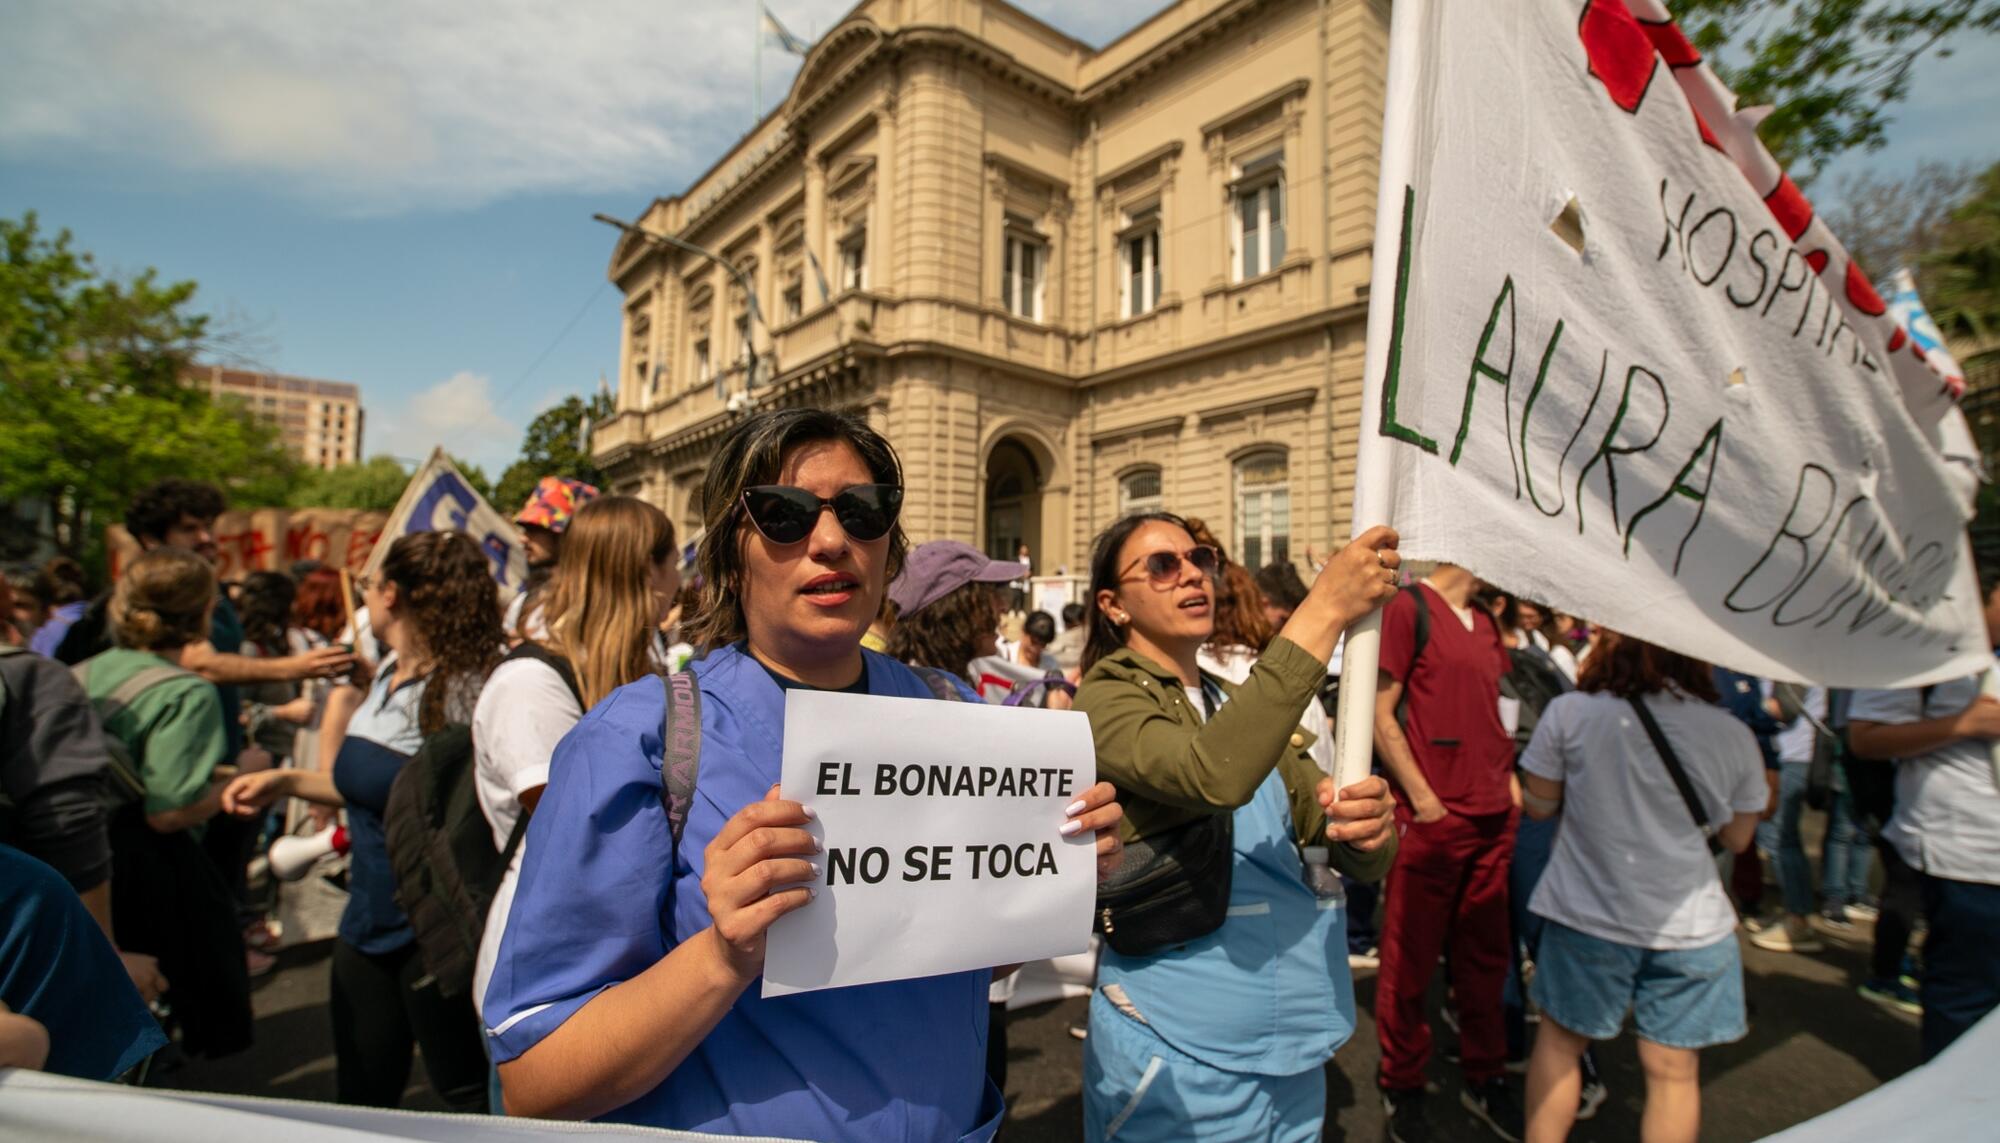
(34,1106)
(438,498)
(1618,364)
(941,825)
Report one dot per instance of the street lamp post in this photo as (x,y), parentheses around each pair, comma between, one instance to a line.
(742,279)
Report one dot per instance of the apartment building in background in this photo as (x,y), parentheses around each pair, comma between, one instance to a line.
(1066,282)
(320,421)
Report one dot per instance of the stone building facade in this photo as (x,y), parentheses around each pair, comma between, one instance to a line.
(1066,282)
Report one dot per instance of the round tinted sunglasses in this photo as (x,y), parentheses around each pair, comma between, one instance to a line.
(785,515)
(1163,569)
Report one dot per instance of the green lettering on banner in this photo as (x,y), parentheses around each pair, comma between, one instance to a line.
(1506,378)
(1711,444)
(1392,378)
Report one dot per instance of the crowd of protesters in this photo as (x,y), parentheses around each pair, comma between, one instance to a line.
(1567,828)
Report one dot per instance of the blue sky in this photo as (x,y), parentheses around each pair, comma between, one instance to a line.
(411,211)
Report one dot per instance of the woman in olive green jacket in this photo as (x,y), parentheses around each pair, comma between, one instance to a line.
(1223,1035)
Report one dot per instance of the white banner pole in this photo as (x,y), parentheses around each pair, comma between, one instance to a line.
(1354,719)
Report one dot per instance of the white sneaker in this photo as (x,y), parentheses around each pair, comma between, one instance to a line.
(1594,1095)
(1860,911)
(1794,936)
(1369,959)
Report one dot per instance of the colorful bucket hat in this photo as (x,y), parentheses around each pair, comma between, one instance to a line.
(554,501)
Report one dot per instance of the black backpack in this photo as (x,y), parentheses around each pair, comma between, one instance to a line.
(1533,681)
(441,845)
(1871,782)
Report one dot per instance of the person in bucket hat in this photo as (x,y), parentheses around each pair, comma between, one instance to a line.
(542,520)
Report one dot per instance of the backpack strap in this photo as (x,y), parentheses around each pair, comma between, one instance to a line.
(1024,691)
(939,682)
(1419,639)
(7,649)
(128,692)
(1688,795)
(125,780)
(560,664)
(680,731)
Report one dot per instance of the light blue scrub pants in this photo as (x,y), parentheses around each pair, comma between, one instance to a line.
(1137,1088)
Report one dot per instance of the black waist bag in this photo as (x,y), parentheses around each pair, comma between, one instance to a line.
(1169,889)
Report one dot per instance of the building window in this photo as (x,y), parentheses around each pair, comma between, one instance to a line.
(1140,246)
(743,338)
(1023,264)
(643,379)
(704,369)
(795,300)
(1263,509)
(1140,492)
(1258,221)
(854,261)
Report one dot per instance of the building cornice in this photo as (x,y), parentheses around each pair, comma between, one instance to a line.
(1171,49)
(1291,90)
(1169,150)
(1302,394)
(1234,343)
(1137,429)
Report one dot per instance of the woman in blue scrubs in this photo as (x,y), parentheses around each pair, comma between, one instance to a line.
(624,983)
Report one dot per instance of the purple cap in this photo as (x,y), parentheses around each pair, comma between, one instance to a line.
(940,567)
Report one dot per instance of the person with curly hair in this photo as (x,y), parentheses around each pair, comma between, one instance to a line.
(949,601)
(436,610)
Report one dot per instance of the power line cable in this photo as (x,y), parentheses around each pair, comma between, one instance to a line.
(544,355)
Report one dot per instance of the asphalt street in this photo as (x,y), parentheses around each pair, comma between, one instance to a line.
(1813,1045)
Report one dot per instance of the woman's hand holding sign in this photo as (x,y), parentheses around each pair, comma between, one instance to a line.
(1096,810)
(751,876)
(1362,816)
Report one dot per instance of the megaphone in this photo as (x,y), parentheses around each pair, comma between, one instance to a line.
(292,856)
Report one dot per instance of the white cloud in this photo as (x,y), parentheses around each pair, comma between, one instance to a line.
(369,106)
(458,413)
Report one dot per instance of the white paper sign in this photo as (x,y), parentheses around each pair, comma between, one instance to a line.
(940,822)
(1619,363)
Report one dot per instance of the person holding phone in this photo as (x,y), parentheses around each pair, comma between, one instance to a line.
(625,984)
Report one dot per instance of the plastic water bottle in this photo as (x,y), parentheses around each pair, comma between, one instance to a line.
(1320,877)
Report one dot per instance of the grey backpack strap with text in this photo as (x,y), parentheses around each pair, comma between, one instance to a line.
(680,731)
(939,683)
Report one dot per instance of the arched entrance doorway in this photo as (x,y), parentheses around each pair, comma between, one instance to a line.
(1013,500)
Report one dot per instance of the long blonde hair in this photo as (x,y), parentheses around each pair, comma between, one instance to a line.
(599,606)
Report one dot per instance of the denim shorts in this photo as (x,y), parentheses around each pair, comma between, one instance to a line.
(1679,998)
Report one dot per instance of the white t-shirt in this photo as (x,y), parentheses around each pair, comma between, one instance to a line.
(1947,819)
(1565,659)
(1629,865)
(1795,742)
(523,712)
(1234,663)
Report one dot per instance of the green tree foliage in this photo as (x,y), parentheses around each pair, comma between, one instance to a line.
(481,483)
(553,446)
(1961,271)
(90,378)
(374,485)
(1832,68)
